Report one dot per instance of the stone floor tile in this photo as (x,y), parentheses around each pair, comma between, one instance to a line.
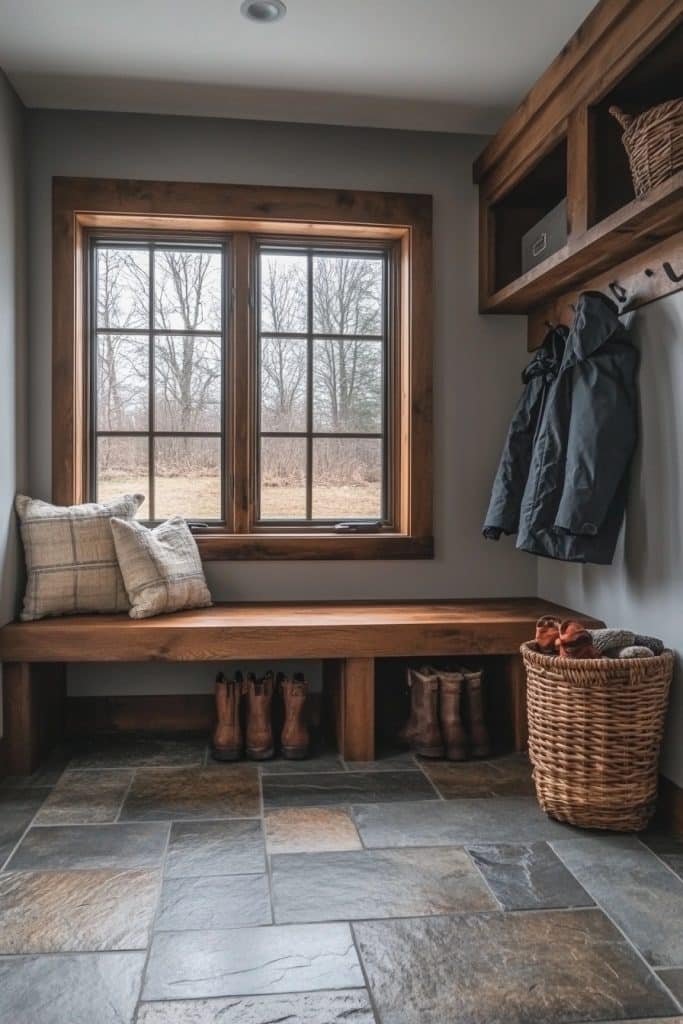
(506,776)
(668,848)
(637,891)
(90,988)
(376,884)
(528,877)
(311,830)
(251,961)
(17,809)
(538,967)
(179,793)
(85,797)
(456,822)
(201,848)
(346,1007)
(344,788)
(327,761)
(135,750)
(53,911)
(391,761)
(221,901)
(77,847)
(673,979)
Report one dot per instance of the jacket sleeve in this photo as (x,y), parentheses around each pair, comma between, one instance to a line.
(513,470)
(603,431)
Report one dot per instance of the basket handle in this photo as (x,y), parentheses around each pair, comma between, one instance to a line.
(624,119)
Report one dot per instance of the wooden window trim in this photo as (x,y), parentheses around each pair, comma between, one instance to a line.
(81,205)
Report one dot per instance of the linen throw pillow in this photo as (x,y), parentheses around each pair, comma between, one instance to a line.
(70,558)
(161,568)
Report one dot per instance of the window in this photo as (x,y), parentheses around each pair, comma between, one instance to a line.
(157,358)
(322,387)
(257,360)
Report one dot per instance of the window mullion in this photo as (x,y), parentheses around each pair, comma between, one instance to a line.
(309,393)
(151,399)
(241,390)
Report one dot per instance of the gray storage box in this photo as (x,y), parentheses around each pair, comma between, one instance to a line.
(545,238)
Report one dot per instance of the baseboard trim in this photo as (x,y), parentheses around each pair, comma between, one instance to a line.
(140,713)
(193,712)
(670,807)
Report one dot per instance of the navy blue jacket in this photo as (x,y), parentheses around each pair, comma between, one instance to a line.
(562,481)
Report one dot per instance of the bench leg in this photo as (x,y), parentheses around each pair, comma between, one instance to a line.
(33,712)
(352,685)
(516,680)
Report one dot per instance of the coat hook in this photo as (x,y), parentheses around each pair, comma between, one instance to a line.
(671,273)
(619,292)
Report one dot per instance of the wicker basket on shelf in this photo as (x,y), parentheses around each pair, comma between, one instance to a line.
(654,143)
(595,730)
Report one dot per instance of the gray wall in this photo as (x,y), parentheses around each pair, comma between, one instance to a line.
(477,360)
(12,342)
(643,589)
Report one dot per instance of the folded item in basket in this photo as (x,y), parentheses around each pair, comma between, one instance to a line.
(572,640)
(610,641)
(632,651)
(575,641)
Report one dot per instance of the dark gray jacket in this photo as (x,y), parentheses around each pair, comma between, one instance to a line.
(563,476)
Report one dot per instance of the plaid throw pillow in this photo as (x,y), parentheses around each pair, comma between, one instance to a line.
(161,568)
(70,557)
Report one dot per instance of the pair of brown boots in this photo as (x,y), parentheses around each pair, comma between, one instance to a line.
(435,727)
(228,741)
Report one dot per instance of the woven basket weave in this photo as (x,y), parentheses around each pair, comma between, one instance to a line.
(595,730)
(654,143)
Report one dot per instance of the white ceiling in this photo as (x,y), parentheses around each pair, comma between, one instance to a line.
(449,65)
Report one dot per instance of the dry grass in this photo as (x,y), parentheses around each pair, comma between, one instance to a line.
(199,498)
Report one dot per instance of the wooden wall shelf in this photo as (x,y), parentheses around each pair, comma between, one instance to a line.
(561,142)
(633,228)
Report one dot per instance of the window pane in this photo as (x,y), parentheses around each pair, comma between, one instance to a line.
(347,478)
(187,479)
(283,478)
(284,293)
(347,295)
(122,288)
(188,383)
(122,388)
(187,290)
(122,468)
(347,386)
(283,384)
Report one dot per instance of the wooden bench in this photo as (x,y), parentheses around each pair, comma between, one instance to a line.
(346,636)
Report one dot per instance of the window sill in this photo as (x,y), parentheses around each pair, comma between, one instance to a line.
(219,547)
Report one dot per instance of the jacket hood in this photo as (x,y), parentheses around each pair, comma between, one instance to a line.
(595,321)
(547,359)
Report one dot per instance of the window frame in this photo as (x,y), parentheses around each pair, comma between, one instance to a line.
(249,214)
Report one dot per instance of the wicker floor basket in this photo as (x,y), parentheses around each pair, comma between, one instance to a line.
(595,729)
(654,143)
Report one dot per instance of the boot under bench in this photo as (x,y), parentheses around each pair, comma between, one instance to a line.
(346,636)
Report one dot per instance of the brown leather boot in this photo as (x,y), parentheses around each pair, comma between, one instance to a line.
(227,736)
(424,693)
(406,734)
(479,735)
(295,738)
(259,726)
(450,694)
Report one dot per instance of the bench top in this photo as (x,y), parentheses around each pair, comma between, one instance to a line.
(344,629)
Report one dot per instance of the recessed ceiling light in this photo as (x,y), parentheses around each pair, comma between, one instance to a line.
(263,10)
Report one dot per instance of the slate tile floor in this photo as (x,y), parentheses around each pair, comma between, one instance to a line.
(140,883)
